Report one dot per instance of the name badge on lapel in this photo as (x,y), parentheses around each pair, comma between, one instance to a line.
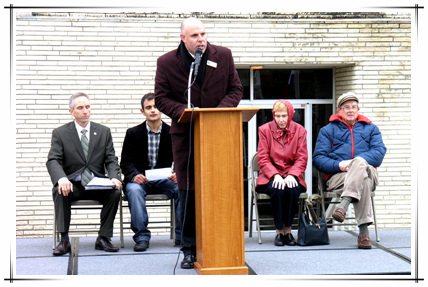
(212,64)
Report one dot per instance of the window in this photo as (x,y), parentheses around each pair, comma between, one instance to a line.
(288,83)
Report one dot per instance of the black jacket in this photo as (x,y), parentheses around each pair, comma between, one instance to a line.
(134,158)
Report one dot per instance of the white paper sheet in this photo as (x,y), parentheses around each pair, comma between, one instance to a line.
(100,183)
(158,173)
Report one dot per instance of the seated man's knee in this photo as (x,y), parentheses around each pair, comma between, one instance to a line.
(134,189)
(117,194)
(176,193)
(112,195)
(358,162)
(169,188)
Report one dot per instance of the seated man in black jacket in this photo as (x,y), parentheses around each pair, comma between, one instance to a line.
(147,146)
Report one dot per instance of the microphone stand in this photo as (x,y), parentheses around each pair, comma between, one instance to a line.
(189,84)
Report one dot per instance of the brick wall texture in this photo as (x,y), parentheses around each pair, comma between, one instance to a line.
(112,58)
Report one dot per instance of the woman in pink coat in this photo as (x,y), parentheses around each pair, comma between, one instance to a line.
(282,156)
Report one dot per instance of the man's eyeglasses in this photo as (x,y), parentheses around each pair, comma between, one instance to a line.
(348,108)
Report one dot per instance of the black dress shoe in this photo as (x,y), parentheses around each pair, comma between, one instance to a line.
(103,243)
(279,240)
(62,248)
(289,239)
(141,246)
(188,262)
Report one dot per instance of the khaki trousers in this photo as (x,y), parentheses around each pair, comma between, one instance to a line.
(358,182)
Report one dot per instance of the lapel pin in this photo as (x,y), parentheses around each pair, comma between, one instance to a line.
(95,133)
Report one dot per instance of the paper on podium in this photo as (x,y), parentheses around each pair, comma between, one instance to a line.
(158,173)
(100,183)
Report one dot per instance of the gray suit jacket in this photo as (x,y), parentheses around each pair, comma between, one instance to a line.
(66,156)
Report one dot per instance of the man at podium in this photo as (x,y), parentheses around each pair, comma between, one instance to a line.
(216,85)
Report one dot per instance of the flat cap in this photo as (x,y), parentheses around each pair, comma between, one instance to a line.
(346,97)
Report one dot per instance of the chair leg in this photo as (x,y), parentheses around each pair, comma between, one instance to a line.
(54,239)
(250,228)
(323,206)
(173,220)
(302,202)
(375,221)
(122,244)
(257,221)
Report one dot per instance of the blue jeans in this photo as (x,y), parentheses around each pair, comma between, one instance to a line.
(136,194)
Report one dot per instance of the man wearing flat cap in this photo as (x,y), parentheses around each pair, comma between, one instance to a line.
(348,151)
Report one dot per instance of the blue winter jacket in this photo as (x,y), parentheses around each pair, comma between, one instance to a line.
(337,141)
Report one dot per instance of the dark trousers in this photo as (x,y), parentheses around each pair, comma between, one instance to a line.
(284,203)
(108,198)
(188,222)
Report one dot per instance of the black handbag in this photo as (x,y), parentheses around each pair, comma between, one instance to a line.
(312,229)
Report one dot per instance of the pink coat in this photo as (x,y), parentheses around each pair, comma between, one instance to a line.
(282,156)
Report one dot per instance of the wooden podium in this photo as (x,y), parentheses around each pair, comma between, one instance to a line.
(219,188)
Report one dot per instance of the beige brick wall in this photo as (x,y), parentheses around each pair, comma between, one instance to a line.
(112,57)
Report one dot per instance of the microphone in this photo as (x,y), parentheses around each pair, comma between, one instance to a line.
(197,60)
(194,67)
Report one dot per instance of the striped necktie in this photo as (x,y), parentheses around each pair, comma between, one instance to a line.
(86,175)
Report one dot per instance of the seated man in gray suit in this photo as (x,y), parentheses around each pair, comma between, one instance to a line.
(79,151)
(147,146)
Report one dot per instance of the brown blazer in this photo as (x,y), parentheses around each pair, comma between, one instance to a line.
(221,88)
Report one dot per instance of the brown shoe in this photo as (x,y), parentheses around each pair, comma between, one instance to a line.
(339,214)
(364,242)
(103,243)
(62,248)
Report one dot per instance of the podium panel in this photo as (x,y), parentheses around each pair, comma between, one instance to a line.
(219,190)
